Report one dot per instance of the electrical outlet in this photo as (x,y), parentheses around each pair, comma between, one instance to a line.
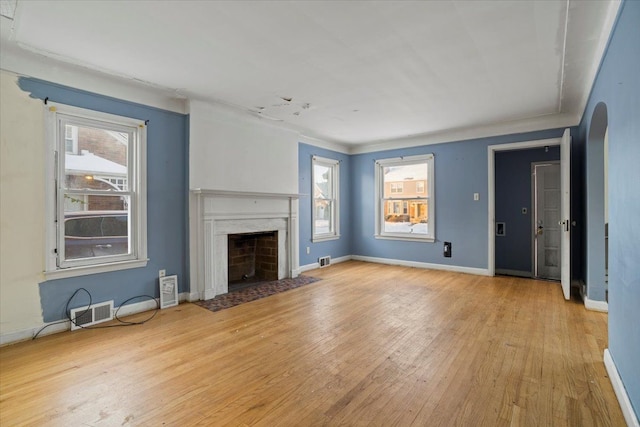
(476,196)
(308,250)
(162,273)
(447,249)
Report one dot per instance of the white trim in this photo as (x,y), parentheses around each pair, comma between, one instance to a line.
(334,166)
(23,62)
(315,265)
(552,121)
(55,115)
(603,41)
(593,305)
(27,334)
(518,273)
(94,269)
(621,393)
(65,325)
(491,188)
(333,146)
(418,264)
(380,164)
(242,194)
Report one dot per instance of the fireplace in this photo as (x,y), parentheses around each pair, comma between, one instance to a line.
(252,258)
(215,215)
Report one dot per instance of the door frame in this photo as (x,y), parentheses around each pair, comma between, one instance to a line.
(491,198)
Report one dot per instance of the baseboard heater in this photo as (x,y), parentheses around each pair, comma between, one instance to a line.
(82,317)
(324,261)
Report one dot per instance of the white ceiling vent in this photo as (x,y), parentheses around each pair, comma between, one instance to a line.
(83,317)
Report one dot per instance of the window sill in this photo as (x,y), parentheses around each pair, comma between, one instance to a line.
(94,269)
(317,239)
(407,238)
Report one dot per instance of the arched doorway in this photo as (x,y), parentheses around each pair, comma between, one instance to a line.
(597,206)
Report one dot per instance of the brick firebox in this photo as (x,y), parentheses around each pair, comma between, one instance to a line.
(253,257)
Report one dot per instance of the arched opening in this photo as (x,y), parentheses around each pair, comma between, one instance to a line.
(597,205)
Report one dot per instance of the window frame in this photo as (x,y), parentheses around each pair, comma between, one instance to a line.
(56,117)
(334,186)
(380,201)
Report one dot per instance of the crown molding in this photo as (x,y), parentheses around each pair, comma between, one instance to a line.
(552,121)
(25,62)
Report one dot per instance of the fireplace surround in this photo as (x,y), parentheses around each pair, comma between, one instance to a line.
(216,214)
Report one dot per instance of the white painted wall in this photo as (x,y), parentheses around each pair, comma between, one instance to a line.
(228,151)
(22,226)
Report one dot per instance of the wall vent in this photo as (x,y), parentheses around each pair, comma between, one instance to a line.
(90,315)
(324,261)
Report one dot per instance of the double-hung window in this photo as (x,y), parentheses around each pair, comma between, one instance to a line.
(405,204)
(325,209)
(96,201)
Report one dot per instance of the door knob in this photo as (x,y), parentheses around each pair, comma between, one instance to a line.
(540,229)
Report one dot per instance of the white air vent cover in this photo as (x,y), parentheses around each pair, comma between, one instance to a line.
(168,291)
(324,261)
(90,315)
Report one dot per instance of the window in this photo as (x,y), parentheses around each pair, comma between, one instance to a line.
(325,209)
(71,139)
(396,187)
(404,202)
(97,203)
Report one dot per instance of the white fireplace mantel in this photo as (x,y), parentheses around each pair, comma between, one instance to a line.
(214,214)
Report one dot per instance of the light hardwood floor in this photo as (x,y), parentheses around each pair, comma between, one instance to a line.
(367,345)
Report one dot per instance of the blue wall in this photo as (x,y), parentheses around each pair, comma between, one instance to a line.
(460,171)
(167,196)
(618,87)
(513,192)
(334,248)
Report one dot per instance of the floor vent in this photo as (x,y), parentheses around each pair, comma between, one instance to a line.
(324,261)
(90,315)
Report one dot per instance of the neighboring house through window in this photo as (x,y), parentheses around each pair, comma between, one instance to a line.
(325,210)
(71,139)
(404,198)
(97,215)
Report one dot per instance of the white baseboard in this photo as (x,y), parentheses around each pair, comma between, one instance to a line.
(27,334)
(518,273)
(62,326)
(621,393)
(590,304)
(427,265)
(315,265)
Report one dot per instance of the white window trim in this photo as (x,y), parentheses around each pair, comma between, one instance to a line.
(139,238)
(335,166)
(379,216)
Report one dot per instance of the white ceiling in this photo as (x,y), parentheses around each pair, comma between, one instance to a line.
(353,72)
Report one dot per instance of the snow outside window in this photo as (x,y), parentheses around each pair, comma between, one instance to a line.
(405,198)
(97,219)
(325,210)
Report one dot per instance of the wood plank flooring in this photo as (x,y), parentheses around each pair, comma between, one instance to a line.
(367,345)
